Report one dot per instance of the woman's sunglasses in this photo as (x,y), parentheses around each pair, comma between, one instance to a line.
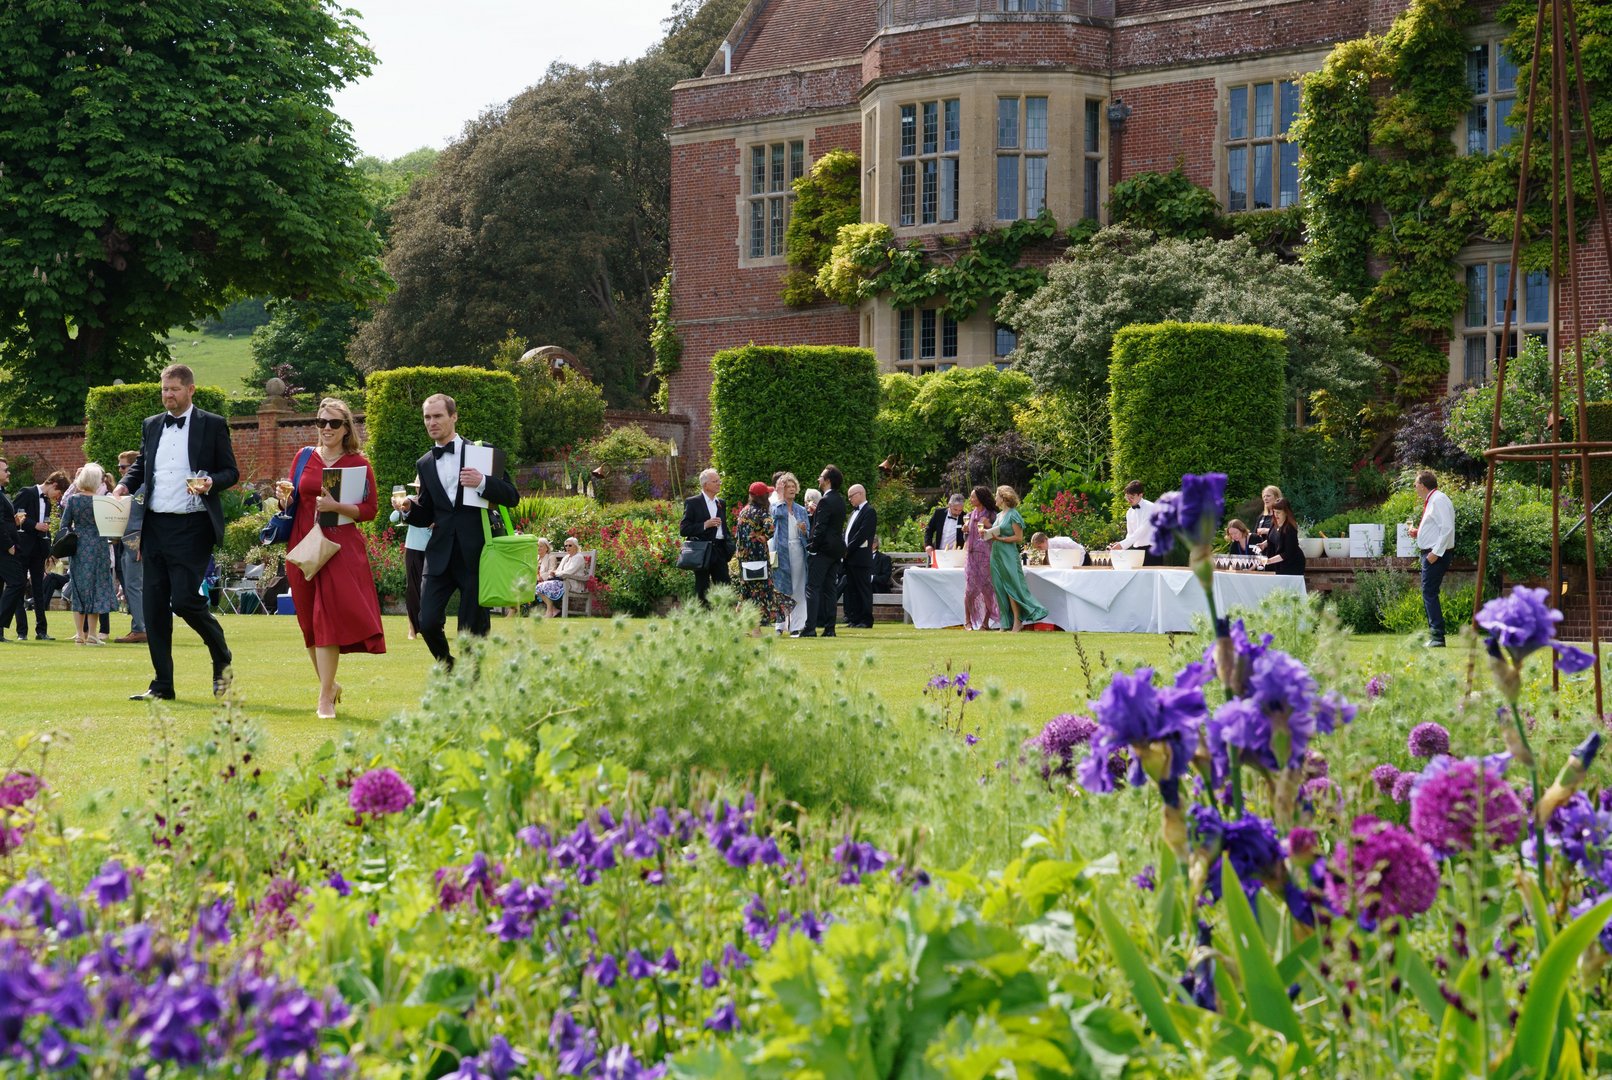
(324,423)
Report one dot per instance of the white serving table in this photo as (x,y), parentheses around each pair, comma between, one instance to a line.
(1152,600)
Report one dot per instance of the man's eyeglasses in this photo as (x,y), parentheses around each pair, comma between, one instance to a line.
(324,423)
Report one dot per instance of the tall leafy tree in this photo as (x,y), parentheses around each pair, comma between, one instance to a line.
(158,159)
(549,218)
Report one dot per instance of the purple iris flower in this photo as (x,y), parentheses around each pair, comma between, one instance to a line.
(575,1048)
(710,977)
(638,965)
(1132,712)
(605,971)
(668,962)
(1523,623)
(725,1019)
(110,886)
(1193,513)
(339,884)
(734,958)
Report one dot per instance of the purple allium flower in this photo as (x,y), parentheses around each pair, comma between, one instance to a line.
(1316,766)
(1376,686)
(725,1019)
(1453,798)
(1404,784)
(1156,723)
(1302,843)
(110,886)
(1316,792)
(1193,512)
(1146,881)
(17,788)
(710,977)
(1384,871)
(1057,741)
(1428,740)
(605,971)
(380,791)
(1384,776)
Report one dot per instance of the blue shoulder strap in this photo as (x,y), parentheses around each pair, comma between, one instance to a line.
(296,475)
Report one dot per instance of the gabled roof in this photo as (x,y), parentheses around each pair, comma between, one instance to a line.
(790,33)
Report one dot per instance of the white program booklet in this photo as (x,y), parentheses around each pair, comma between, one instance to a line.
(487,460)
(345,486)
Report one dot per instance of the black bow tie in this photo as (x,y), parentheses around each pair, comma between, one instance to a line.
(173,421)
(438,451)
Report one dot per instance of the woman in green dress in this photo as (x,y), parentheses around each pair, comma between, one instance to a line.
(1007,573)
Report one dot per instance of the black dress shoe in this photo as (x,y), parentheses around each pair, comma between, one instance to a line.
(43,637)
(151,695)
(805,633)
(828,633)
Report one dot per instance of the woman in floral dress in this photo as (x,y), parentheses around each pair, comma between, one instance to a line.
(979,595)
(754,530)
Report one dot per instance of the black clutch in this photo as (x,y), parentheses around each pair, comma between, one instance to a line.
(65,547)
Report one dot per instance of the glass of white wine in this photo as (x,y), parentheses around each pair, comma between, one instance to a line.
(282,491)
(196,482)
(400,497)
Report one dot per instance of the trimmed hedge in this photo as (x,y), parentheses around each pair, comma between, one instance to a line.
(794,407)
(1195,398)
(113,414)
(489,409)
(1600,430)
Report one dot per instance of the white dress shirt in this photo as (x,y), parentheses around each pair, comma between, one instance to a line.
(1436,533)
(948,532)
(711,512)
(850,521)
(1139,526)
(171,469)
(448,466)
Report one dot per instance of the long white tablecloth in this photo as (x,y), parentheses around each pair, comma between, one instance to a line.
(1153,600)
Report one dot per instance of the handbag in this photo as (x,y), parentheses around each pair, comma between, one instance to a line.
(753,571)
(278,529)
(312,552)
(508,568)
(65,547)
(696,555)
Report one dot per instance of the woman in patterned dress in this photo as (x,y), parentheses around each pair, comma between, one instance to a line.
(94,588)
(754,530)
(979,595)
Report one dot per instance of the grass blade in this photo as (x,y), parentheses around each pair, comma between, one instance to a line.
(1143,984)
(1536,1025)
(1262,985)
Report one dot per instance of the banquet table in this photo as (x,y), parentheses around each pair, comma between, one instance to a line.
(1152,600)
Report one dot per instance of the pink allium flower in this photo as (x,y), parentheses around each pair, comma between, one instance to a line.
(1428,741)
(1384,776)
(1384,871)
(18,787)
(1302,843)
(380,791)
(1403,783)
(1375,686)
(1452,799)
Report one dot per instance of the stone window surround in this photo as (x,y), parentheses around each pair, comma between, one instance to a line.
(1493,255)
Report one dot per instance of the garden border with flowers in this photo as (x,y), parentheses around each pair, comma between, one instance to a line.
(483,889)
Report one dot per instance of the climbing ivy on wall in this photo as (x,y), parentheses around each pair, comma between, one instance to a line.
(826,198)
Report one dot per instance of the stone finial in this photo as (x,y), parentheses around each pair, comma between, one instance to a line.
(274,388)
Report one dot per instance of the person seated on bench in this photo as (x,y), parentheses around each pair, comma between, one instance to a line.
(883,570)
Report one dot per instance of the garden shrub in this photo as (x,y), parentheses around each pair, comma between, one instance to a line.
(964,405)
(1195,398)
(996,459)
(113,414)
(555,414)
(1407,615)
(1315,473)
(625,445)
(1599,414)
(1071,428)
(793,407)
(489,410)
(899,434)
(897,504)
(1423,438)
(828,197)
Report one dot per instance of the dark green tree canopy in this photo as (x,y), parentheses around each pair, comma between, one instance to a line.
(158,160)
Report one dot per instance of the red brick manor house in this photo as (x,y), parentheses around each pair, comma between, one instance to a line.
(968,114)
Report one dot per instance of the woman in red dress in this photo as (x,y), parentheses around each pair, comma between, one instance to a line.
(338,609)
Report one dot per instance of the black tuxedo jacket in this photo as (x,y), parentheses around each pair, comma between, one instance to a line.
(209,449)
(828,526)
(692,527)
(30,541)
(8,529)
(859,542)
(457,539)
(937,529)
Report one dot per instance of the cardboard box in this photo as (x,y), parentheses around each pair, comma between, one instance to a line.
(1405,543)
(1365,541)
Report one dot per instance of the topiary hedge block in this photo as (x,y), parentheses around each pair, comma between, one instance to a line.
(113,415)
(489,410)
(796,407)
(1599,414)
(1196,398)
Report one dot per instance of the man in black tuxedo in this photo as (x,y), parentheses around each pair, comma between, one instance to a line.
(33,545)
(13,579)
(185,465)
(705,517)
(945,529)
(453,554)
(825,549)
(860,531)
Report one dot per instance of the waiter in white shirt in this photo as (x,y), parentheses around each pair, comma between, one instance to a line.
(1435,536)
(1138,525)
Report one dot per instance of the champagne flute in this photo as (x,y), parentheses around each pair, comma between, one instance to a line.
(282,491)
(196,482)
(400,497)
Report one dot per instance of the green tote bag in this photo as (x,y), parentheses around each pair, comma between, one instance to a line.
(508,565)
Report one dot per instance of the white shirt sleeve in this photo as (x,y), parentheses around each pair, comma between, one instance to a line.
(1139,526)
(1441,523)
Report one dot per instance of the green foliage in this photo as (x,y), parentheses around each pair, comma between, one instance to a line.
(1599,429)
(113,415)
(1080,514)
(1315,473)
(898,505)
(827,198)
(240,541)
(489,411)
(305,343)
(830,394)
(1196,398)
(625,445)
(866,263)
(898,432)
(694,30)
(964,405)
(1071,428)
(389,178)
(241,317)
(1165,203)
(1407,616)
(1127,276)
(664,341)
(122,221)
(555,414)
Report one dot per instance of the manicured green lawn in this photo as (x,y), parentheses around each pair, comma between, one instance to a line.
(216,360)
(81,693)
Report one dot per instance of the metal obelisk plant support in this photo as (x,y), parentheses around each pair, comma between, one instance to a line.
(1559,16)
